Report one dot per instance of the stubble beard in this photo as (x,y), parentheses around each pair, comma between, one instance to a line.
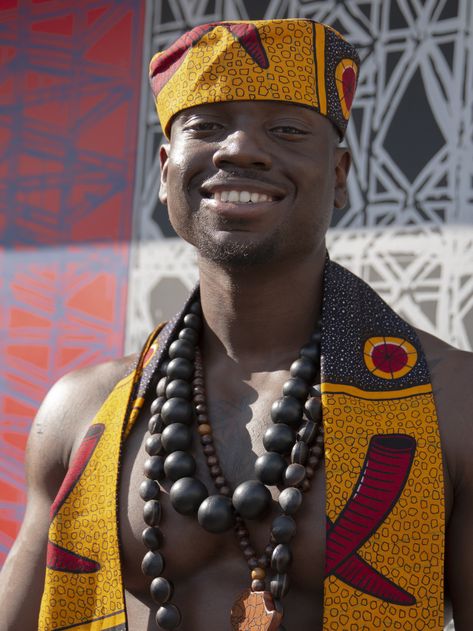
(232,252)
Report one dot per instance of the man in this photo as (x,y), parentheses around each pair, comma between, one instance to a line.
(251,182)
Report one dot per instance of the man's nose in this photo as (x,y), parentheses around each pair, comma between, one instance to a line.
(243,148)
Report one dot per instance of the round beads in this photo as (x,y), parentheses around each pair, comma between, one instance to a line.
(251,499)
(216,514)
(179,403)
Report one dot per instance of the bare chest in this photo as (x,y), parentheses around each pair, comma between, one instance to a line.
(207,568)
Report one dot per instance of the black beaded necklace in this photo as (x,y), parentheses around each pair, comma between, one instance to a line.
(296,433)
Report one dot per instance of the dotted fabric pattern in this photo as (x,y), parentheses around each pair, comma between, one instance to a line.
(408,547)
(86,525)
(404,550)
(297,61)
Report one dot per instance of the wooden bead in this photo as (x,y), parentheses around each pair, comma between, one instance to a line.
(180,368)
(212,461)
(176,437)
(155,424)
(219,481)
(294,474)
(154,467)
(193,321)
(305,485)
(252,563)
(215,470)
(178,388)
(317,451)
(149,490)
(283,528)
(263,561)
(281,558)
(225,490)
(152,564)
(279,585)
(307,432)
(258,574)
(189,334)
(257,586)
(209,450)
(290,500)
(300,452)
(204,429)
(161,590)
(309,472)
(248,552)
(152,538)
(152,512)
(168,616)
(182,348)
(206,439)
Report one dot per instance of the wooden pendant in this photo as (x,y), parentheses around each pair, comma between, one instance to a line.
(255,611)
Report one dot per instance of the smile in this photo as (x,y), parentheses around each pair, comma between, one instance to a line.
(241,197)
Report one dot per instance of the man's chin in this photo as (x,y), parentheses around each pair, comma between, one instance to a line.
(236,253)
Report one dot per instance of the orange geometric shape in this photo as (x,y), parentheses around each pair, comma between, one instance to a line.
(389,357)
(114,47)
(19,318)
(68,355)
(10,493)
(17,440)
(94,14)
(31,353)
(96,298)
(104,222)
(56,26)
(107,134)
(16,408)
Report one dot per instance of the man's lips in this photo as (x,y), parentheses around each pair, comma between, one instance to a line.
(242,192)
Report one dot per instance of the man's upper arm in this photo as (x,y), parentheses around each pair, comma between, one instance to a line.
(459,542)
(57,431)
(22,577)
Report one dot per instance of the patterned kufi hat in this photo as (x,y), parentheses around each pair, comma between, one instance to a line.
(296,61)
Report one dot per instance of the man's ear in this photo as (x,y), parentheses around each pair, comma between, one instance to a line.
(342,166)
(163,160)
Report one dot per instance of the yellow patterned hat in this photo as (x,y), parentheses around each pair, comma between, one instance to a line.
(295,60)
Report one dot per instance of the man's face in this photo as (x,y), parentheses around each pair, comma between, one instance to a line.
(252,182)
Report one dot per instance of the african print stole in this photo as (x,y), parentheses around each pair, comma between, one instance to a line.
(384,480)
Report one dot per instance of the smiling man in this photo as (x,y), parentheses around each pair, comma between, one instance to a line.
(286,453)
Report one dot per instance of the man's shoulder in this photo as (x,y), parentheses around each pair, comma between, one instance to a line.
(452,376)
(72,403)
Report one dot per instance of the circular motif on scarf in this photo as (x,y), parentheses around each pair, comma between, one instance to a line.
(345,79)
(389,357)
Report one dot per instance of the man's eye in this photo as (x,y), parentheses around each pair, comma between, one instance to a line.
(289,130)
(203,126)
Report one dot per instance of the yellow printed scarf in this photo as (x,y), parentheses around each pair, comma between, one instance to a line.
(383,461)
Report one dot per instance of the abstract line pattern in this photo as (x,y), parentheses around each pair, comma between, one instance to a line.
(69,106)
(409,225)
(382,478)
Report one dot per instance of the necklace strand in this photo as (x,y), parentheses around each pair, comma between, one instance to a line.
(180,401)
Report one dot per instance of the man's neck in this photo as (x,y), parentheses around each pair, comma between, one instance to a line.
(260,316)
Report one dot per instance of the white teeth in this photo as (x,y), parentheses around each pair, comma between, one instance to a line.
(241,196)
